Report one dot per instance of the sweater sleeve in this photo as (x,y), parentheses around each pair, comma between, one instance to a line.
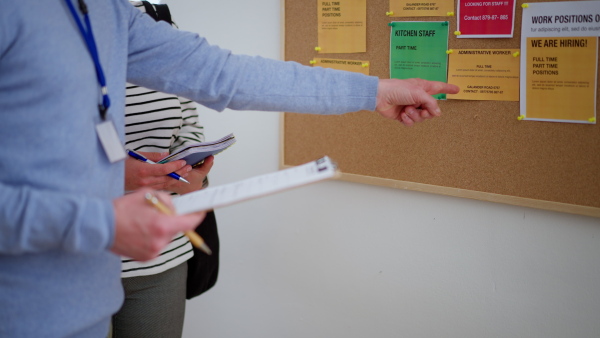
(35,220)
(186,64)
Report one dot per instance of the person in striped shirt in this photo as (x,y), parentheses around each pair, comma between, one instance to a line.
(157,124)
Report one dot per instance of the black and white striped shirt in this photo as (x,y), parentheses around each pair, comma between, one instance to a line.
(159,122)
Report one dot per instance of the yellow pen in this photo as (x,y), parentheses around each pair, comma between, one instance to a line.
(194,238)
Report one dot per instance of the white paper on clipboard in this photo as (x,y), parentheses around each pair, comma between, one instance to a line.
(227,194)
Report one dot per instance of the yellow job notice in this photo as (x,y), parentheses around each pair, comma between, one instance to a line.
(356,66)
(401,8)
(484,74)
(342,26)
(561,78)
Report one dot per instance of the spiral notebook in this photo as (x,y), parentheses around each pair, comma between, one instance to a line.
(196,153)
(227,194)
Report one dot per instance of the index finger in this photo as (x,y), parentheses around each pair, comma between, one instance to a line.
(437,87)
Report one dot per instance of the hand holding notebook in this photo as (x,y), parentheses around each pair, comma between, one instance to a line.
(196,153)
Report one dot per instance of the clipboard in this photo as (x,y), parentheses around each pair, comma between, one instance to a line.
(262,185)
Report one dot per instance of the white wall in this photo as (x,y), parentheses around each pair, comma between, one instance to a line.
(340,259)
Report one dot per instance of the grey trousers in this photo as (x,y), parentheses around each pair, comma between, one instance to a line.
(154,306)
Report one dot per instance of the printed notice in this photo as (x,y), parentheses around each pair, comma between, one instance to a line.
(418,49)
(347,65)
(342,26)
(485,19)
(484,74)
(561,76)
(412,8)
(559,60)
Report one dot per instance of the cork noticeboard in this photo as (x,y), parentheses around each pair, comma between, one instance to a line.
(476,149)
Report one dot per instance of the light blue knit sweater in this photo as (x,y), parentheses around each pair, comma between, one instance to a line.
(57,277)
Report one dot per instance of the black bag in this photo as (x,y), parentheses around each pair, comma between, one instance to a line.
(158,11)
(203,269)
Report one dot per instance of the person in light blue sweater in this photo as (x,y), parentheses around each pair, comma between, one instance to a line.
(63,217)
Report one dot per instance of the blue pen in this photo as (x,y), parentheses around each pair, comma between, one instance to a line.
(143,159)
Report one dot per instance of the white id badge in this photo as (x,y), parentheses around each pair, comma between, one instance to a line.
(110,141)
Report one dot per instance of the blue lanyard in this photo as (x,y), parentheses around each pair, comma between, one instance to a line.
(91,44)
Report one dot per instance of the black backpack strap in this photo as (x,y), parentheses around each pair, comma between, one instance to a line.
(162,10)
(150,10)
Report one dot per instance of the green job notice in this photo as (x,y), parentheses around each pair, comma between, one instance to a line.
(418,49)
